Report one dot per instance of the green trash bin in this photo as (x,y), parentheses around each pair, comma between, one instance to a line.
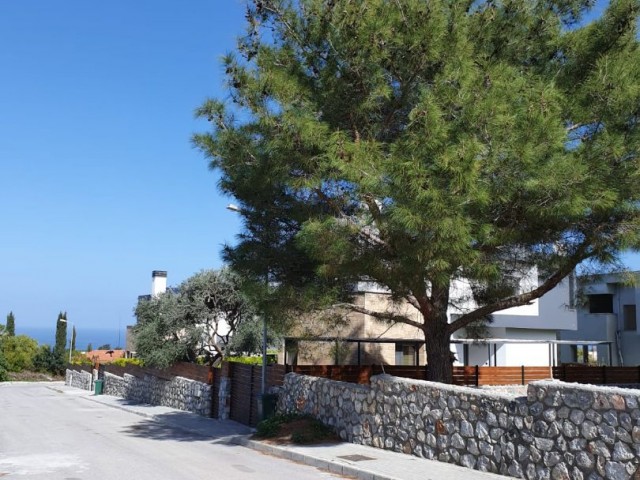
(98,386)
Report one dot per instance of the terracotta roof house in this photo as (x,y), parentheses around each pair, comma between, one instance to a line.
(105,356)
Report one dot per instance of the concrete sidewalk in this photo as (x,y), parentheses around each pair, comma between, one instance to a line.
(348,459)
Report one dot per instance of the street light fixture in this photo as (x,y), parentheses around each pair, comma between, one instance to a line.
(263,381)
(63,320)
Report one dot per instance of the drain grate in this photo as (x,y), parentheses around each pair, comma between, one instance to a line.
(355,458)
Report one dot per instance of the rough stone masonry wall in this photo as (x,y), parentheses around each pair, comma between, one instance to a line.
(79,379)
(559,431)
(180,393)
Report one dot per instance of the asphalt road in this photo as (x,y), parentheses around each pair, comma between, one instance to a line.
(45,434)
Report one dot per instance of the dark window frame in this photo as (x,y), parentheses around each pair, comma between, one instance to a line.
(601,303)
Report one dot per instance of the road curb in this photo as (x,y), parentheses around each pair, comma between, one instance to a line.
(333,467)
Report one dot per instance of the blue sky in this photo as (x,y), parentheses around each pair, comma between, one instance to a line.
(100,184)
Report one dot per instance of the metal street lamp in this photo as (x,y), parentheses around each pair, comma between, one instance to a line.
(263,381)
(70,336)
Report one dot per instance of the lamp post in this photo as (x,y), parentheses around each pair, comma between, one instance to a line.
(263,381)
(70,336)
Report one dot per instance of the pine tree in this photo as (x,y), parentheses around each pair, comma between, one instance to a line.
(417,144)
(11,325)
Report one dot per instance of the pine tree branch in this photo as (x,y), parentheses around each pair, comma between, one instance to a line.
(280,15)
(413,301)
(524,298)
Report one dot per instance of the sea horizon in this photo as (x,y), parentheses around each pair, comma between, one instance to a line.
(84,336)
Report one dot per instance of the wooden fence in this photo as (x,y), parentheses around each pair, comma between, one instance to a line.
(597,375)
(80,367)
(479,376)
(192,371)
(476,376)
(246,382)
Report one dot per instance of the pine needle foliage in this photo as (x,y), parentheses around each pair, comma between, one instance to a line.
(414,143)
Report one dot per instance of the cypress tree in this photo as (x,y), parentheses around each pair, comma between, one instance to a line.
(11,325)
(73,338)
(61,335)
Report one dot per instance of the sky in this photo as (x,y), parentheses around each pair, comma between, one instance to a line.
(100,183)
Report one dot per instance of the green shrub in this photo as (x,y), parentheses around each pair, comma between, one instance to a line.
(80,359)
(311,431)
(47,360)
(19,352)
(271,359)
(4,374)
(271,426)
(123,362)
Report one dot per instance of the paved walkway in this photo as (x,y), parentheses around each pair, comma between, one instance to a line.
(348,459)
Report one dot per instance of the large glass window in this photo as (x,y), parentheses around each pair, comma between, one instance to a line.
(601,303)
(586,354)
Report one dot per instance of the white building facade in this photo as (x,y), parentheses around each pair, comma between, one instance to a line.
(525,335)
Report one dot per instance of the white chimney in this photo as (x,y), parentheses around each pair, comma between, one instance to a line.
(158,282)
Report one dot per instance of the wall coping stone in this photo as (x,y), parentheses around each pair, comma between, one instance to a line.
(444,387)
(609,389)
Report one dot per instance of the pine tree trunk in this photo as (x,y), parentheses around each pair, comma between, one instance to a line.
(440,366)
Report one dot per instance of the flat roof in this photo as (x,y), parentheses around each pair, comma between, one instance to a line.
(468,341)
(355,339)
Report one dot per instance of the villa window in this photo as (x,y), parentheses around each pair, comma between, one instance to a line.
(405,354)
(587,354)
(601,303)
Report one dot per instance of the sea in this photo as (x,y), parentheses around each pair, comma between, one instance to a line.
(84,336)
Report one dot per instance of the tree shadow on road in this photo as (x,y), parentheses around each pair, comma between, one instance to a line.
(186,427)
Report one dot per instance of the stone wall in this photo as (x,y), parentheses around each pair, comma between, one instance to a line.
(180,393)
(559,431)
(79,379)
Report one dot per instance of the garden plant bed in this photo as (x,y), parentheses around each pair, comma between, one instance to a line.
(294,429)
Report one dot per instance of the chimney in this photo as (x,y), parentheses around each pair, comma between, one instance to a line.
(158,282)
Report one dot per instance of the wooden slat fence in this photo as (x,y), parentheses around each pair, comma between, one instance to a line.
(215,393)
(246,382)
(192,371)
(472,375)
(343,373)
(78,367)
(598,375)
(481,376)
